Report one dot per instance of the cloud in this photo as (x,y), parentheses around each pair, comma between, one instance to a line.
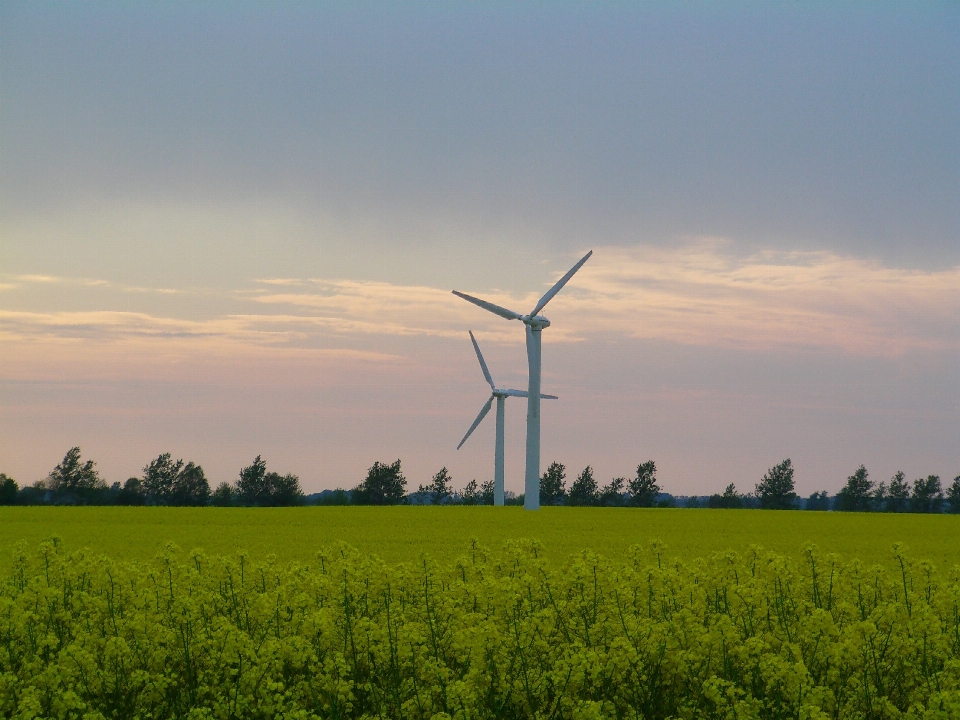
(704,295)
(701,294)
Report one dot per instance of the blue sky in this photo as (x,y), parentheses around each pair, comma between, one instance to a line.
(231,230)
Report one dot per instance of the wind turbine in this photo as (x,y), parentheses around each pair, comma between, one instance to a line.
(535,323)
(501,394)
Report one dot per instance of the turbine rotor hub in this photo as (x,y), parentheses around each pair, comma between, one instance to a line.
(536,322)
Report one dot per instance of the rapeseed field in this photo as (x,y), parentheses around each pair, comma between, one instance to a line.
(397,534)
(479,632)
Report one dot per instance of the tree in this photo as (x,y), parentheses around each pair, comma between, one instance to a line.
(190,487)
(612,493)
(440,487)
(776,489)
(878,499)
(855,495)
(159,477)
(584,490)
(486,493)
(470,493)
(552,488)
(898,494)
(131,493)
(953,496)
(818,501)
(644,488)
(927,495)
(222,496)
(282,490)
(8,490)
(252,485)
(73,478)
(729,500)
(384,485)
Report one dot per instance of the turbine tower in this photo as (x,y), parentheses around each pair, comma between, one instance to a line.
(501,394)
(534,323)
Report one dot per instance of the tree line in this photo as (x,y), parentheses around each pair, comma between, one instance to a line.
(166,481)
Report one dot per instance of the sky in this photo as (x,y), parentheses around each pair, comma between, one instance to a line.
(231,229)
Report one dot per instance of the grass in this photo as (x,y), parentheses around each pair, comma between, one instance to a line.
(398,534)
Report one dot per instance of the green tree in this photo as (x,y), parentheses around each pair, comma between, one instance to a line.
(131,493)
(282,490)
(730,499)
(384,485)
(878,498)
(898,493)
(953,496)
(552,487)
(440,487)
(190,487)
(470,493)
(159,478)
(644,488)
(776,489)
(252,484)
(612,493)
(223,496)
(856,494)
(818,501)
(486,493)
(584,490)
(8,490)
(927,495)
(74,479)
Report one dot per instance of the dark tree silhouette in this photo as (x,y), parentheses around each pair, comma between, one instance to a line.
(856,494)
(776,489)
(927,495)
(131,493)
(612,493)
(9,490)
(953,496)
(73,480)
(898,494)
(552,489)
(584,489)
(223,496)
(818,501)
(440,487)
(190,487)
(644,488)
(384,485)
(730,499)
(159,477)
(486,493)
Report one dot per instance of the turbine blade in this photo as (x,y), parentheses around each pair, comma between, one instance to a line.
(483,413)
(514,393)
(529,342)
(560,283)
(495,309)
(483,365)
(549,397)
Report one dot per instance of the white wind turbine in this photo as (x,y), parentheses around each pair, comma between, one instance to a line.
(501,394)
(534,325)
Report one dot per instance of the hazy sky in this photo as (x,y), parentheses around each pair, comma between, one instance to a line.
(231,229)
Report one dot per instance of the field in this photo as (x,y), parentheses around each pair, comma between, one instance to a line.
(398,534)
(602,614)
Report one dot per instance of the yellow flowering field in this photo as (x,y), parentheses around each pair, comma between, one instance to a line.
(478,633)
(398,534)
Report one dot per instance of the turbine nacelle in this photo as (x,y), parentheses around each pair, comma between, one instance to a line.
(536,322)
